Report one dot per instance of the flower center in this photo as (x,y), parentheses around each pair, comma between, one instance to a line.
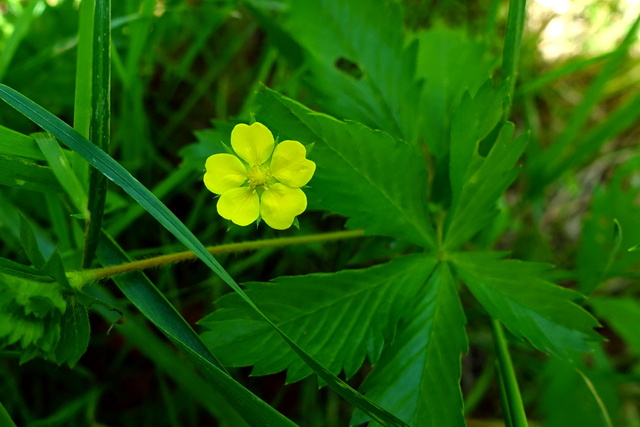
(259,176)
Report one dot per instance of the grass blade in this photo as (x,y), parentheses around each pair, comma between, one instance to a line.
(62,170)
(120,176)
(514,409)
(14,143)
(511,49)
(100,118)
(19,32)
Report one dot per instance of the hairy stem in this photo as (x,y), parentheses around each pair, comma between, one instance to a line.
(80,278)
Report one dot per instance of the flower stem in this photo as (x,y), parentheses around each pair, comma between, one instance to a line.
(80,278)
(512,402)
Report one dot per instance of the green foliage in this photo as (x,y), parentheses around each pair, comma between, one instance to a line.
(354,311)
(30,316)
(418,374)
(387,179)
(419,119)
(516,293)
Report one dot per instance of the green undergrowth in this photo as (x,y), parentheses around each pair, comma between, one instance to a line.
(468,255)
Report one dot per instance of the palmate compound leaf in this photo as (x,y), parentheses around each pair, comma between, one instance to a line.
(418,376)
(359,63)
(515,293)
(338,318)
(379,183)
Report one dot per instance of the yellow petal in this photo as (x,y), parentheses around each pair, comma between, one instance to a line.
(224,172)
(289,164)
(240,205)
(254,144)
(280,204)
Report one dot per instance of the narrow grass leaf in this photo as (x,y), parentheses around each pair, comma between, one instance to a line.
(21,173)
(100,120)
(62,170)
(548,166)
(511,48)
(116,173)
(14,143)
(20,30)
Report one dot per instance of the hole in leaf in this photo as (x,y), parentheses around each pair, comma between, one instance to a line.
(350,68)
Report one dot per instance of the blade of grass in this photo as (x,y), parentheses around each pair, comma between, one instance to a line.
(21,173)
(511,48)
(549,165)
(563,71)
(84,67)
(161,190)
(100,118)
(14,143)
(19,31)
(62,170)
(120,176)
(5,418)
(514,410)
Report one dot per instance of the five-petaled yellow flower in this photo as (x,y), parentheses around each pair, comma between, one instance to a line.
(260,181)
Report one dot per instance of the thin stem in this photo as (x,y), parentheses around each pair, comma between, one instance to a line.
(514,409)
(85,276)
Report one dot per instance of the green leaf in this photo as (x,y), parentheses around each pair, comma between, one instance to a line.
(14,143)
(30,313)
(472,122)
(52,266)
(418,376)
(576,386)
(119,175)
(338,318)
(485,181)
(62,170)
(21,173)
(379,183)
(30,244)
(451,64)
(359,62)
(623,315)
(74,334)
(13,268)
(515,293)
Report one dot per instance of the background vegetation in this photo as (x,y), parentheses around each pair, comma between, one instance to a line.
(183,73)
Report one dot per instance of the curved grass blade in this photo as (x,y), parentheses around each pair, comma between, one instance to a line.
(120,176)
(152,303)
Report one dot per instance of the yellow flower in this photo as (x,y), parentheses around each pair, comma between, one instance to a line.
(260,181)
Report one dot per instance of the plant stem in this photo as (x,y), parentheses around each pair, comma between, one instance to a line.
(101,273)
(514,409)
